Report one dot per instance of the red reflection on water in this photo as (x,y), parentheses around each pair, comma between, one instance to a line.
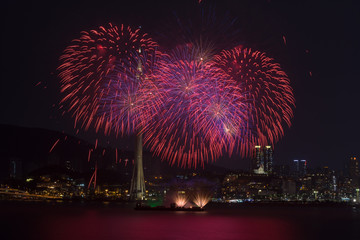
(93,225)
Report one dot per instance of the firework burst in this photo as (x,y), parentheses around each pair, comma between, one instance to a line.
(267,93)
(181,200)
(87,63)
(201,199)
(197,113)
(190,105)
(131,97)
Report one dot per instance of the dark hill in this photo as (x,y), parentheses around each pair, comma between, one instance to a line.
(30,149)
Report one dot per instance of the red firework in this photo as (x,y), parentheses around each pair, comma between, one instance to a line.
(87,63)
(268,95)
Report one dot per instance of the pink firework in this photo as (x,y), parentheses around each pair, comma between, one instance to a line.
(268,95)
(196,122)
(222,114)
(87,63)
(131,98)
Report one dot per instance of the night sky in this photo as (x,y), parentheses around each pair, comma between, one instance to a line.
(321,57)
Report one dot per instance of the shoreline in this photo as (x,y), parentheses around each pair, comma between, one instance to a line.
(210,205)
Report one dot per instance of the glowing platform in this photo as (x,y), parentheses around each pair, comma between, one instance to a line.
(142,207)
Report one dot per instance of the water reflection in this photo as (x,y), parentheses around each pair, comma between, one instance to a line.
(170,225)
(117,222)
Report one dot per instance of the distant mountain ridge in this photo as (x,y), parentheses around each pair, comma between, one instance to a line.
(36,147)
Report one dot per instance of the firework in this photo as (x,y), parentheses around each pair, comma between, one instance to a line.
(93,178)
(201,199)
(53,146)
(201,113)
(190,105)
(268,95)
(181,200)
(222,113)
(87,63)
(131,97)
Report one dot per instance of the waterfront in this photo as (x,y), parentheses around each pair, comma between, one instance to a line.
(54,220)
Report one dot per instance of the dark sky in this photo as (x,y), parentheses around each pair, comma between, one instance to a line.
(322,37)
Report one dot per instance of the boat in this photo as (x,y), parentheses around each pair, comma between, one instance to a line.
(173,207)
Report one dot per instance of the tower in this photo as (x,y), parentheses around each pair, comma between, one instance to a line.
(137,187)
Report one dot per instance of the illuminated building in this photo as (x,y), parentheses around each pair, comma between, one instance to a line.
(300,168)
(296,166)
(262,162)
(257,165)
(268,157)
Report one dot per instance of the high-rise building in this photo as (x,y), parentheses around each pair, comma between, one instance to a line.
(295,167)
(268,157)
(299,168)
(302,167)
(263,160)
(258,159)
(354,170)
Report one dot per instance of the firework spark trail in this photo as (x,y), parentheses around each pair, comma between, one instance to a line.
(193,126)
(93,178)
(87,63)
(96,144)
(268,95)
(89,154)
(54,145)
